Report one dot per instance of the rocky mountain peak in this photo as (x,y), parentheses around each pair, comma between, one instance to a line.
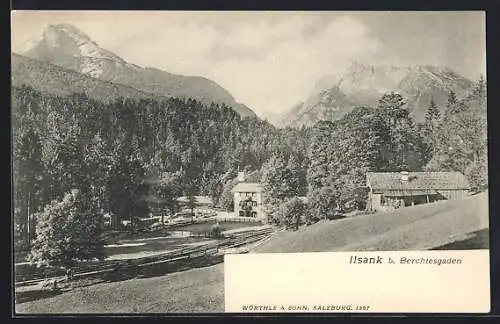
(66,46)
(363,84)
(65,40)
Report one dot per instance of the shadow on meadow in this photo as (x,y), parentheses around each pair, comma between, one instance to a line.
(154,270)
(122,273)
(31,295)
(475,240)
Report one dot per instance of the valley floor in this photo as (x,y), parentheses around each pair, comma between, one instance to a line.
(444,225)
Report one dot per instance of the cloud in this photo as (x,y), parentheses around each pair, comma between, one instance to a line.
(286,62)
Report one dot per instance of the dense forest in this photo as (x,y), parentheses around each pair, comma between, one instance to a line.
(386,139)
(111,151)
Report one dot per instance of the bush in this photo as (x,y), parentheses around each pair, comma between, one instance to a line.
(49,285)
(216,231)
(67,231)
(322,203)
(226,200)
(477,175)
(292,211)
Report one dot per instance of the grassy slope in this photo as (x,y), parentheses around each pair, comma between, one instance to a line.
(202,290)
(412,228)
(197,290)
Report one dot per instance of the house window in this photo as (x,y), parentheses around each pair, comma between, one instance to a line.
(254,204)
(254,195)
(241,213)
(254,214)
(382,200)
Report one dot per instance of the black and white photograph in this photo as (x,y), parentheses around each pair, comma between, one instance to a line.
(147,146)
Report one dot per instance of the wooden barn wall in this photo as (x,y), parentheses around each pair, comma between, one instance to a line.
(453,194)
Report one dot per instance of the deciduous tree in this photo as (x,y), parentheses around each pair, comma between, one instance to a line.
(67,231)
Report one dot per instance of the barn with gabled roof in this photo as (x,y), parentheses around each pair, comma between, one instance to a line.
(390,190)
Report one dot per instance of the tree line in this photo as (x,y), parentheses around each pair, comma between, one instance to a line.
(384,138)
(130,157)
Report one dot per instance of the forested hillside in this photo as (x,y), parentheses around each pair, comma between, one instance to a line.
(109,150)
(56,80)
(382,139)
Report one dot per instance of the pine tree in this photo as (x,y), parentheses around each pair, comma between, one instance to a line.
(292,211)
(402,148)
(452,103)
(296,177)
(276,188)
(322,202)
(318,155)
(432,128)
(29,176)
(463,137)
(191,201)
(392,105)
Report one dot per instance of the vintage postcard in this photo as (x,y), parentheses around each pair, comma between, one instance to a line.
(258,161)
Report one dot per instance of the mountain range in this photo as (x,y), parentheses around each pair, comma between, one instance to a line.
(63,60)
(363,84)
(65,46)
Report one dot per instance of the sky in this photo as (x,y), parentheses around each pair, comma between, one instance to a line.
(267,60)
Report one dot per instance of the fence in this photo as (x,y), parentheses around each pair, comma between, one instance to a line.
(93,268)
(238,220)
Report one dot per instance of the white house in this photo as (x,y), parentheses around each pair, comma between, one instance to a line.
(248,199)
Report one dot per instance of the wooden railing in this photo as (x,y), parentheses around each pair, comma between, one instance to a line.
(239,219)
(92,268)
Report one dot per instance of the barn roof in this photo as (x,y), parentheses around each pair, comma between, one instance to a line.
(248,187)
(417,181)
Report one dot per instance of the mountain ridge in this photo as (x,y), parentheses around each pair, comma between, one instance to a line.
(362,85)
(66,46)
(54,79)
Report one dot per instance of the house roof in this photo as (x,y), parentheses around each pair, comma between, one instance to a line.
(403,193)
(199,200)
(247,187)
(417,181)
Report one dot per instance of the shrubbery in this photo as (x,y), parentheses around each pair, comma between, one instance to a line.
(216,231)
(67,231)
(291,212)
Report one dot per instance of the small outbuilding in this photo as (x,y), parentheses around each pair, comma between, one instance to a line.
(390,190)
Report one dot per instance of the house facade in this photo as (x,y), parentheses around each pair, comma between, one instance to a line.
(248,200)
(391,190)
